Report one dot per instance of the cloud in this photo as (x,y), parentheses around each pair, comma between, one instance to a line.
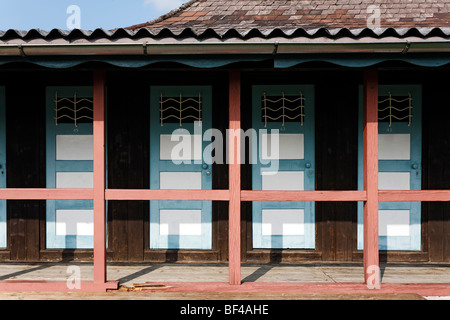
(164,6)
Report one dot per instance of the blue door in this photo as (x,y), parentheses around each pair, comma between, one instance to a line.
(400,166)
(179,117)
(69,165)
(283,117)
(3,230)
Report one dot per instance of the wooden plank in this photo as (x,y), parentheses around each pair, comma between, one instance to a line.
(176,255)
(118,166)
(5,255)
(125,293)
(446,237)
(60,255)
(234,216)
(43,194)
(128,165)
(436,173)
(25,158)
(99,177)
(137,98)
(336,161)
(265,195)
(220,171)
(370,142)
(396,256)
(135,230)
(118,230)
(345,222)
(56,286)
(414,195)
(423,289)
(161,194)
(283,256)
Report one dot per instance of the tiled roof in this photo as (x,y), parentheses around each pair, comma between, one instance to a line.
(289,16)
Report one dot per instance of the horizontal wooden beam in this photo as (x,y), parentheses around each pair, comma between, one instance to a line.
(146,194)
(222,195)
(257,195)
(46,194)
(352,288)
(414,195)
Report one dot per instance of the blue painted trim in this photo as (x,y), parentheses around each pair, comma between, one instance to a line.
(434,59)
(53,166)
(362,60)
(158,241)
(404,243)
(197,61)
(274,242)
(3,224)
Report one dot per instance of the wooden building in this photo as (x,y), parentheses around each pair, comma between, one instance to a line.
(354,96)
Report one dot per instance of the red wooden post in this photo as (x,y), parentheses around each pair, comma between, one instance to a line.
(371,254)
(99,178)
(234,151)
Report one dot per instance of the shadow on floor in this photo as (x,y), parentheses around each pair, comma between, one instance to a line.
(139,273)
(22,272)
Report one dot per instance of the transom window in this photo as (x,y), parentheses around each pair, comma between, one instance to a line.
(283,108)
(73,110)
(181,109)
(393,109)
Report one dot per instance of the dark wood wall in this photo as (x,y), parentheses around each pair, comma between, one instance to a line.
(25,160)
(336,163)
(436,164)
(128,162)
(128,158)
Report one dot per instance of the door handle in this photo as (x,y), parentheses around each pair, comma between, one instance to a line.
(205,166)
(307,165)
(415,166)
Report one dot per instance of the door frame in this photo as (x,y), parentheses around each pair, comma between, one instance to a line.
(156,240)
(54,241)
(306,241)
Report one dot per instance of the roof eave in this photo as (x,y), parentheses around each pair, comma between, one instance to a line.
(222,48)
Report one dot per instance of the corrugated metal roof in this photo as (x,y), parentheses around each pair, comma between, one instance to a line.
(246,19)
(120,33)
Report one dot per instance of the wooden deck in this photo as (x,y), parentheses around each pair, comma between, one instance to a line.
(210,281)
(129,274)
